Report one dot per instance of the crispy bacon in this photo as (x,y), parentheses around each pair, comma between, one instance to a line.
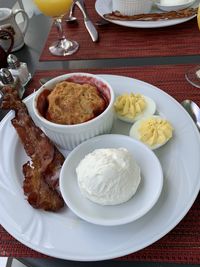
(39,193)
(184,13)
(41,175)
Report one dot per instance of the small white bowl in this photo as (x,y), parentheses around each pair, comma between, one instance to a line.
(132,7)
(177,7)
(144,199)
(69,136)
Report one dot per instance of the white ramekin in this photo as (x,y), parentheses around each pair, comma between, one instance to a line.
(69,136)
(132,7)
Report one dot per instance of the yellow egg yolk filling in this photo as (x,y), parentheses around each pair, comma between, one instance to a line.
(129,105)
(155,131)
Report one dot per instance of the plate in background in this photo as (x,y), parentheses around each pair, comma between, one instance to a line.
(105,6)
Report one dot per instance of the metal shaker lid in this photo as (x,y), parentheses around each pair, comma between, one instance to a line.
(13,61)
(6,76)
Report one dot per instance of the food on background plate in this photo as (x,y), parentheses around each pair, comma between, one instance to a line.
(132,107)
(184,13)
(41,173)
(132,7)
(73,103)
(154,131)
(108,176)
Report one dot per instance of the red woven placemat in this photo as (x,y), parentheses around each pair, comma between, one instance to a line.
(124,42)
(182,244)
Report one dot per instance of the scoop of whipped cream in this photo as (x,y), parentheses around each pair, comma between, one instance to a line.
(108,176)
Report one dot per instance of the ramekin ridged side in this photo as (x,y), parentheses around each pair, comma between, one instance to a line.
(69,140)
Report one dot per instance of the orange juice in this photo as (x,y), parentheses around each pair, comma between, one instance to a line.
(53,8)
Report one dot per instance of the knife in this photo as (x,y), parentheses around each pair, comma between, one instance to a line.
(88,23)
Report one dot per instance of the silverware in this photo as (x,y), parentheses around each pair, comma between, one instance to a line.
(193,110)
(71,18)
(88,23)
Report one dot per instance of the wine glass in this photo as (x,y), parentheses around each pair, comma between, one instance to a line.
(57,9)
(193,74)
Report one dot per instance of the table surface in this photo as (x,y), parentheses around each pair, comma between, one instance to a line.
(34,41)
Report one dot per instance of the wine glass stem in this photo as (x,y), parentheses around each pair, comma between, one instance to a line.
(58,24)
(62,46)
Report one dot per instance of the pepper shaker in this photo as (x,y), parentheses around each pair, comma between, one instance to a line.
(7,79)
(19,69)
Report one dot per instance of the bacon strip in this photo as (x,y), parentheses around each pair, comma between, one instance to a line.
(41,175)
(184,13)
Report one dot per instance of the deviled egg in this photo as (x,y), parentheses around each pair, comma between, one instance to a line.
(132,107)
(154,131)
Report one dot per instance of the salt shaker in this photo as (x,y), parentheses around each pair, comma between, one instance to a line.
(7,79)
(18,68)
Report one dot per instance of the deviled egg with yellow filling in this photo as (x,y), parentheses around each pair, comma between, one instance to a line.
(132,107)
(154,131)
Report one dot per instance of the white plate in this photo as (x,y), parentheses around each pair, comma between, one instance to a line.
(144,199)
(105,6)
(63,234)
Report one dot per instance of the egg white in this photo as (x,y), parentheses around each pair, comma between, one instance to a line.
(134,133)
(149,110)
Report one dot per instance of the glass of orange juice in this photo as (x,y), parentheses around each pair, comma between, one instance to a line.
(57,9)
(193,74)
